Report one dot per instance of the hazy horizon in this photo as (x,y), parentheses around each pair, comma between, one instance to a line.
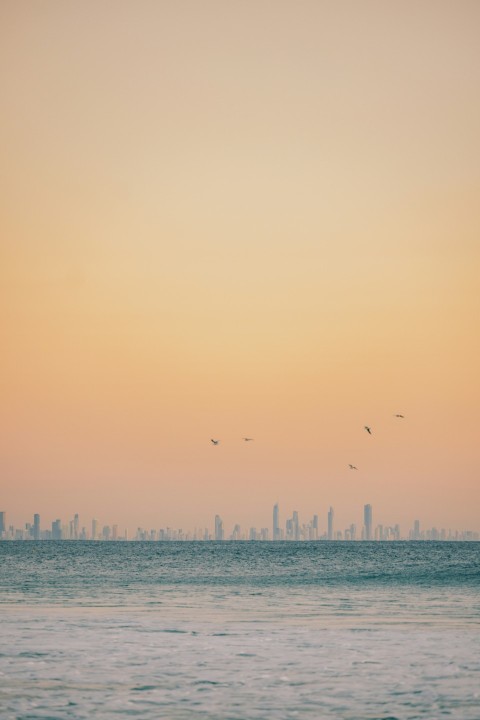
(229,220)
(340,524)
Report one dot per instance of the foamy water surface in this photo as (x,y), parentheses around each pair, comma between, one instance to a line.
(240,630)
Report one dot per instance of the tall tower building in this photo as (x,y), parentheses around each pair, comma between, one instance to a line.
(218,528)
(76,527)
(367,521)
(330,524)
(36,526)
(276,522)
(416,530)
(296,526)
(3,523)
(94,529)
(289,529)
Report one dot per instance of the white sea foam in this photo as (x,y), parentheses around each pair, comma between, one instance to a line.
(236,650)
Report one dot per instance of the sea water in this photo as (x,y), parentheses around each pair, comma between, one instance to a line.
(229,631)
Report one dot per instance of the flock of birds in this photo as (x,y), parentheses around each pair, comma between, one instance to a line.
(352,467)
(215,442)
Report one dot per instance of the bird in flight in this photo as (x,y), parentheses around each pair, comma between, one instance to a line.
(352,467)
(369,431)
(398,415)
(248,439)
(215,442)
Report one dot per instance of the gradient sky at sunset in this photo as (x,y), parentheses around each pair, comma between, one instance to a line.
(222,219)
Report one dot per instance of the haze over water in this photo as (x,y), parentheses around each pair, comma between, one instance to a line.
(240,630)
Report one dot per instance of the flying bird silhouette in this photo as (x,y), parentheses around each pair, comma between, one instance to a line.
(248,439)
(215,442)
(398,415)
(369,431)
(352,467)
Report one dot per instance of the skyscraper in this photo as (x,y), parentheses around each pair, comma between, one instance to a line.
(94,529)
(330,524)
(416,530)
(296,526)
(36,526)
(3,523)
(367,521)
(289,529)
(218,528)
(75,527)
(276,522)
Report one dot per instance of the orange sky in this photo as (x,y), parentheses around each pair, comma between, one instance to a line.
(243,218)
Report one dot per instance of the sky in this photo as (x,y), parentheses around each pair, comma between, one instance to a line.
(228,219)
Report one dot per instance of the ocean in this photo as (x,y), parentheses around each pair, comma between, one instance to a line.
(233,631)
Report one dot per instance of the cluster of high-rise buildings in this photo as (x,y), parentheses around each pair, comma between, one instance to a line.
(293,530)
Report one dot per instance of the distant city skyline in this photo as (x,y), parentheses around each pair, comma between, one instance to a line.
(294,530)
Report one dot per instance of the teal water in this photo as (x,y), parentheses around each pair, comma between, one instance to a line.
(240,630)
